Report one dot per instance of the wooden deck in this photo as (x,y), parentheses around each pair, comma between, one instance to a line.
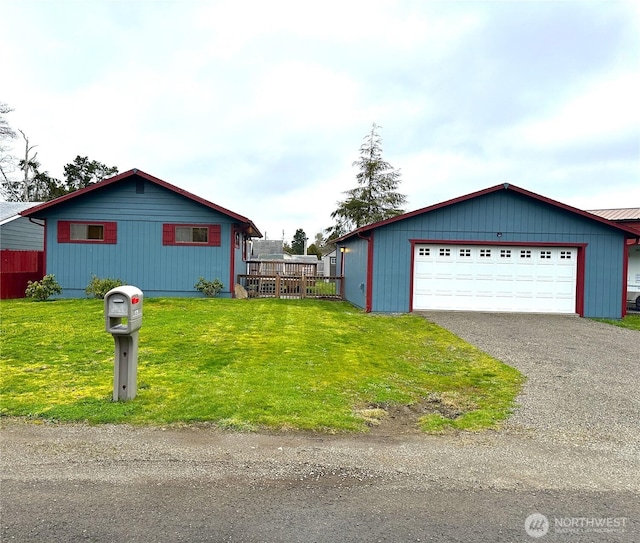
(292,286)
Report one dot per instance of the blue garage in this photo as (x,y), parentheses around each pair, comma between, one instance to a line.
(502,249)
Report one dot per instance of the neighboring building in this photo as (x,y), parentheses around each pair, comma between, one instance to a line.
(329,264)
(144,231)
(502,249)
(262,247)
(629,217)
(21,249)
(18,233)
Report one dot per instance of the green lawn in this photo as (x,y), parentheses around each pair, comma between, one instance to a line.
(247,364)
(630,321)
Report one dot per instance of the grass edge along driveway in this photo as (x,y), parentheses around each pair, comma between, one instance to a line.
(248,364)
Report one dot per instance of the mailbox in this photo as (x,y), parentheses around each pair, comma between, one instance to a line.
(123,310)
(123,319)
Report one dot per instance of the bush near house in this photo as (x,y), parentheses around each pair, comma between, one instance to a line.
(98,288)
(43,289)
(248,364)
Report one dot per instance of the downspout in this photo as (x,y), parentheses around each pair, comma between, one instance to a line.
(369,280)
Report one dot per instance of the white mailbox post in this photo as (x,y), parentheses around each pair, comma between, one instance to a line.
(123,319)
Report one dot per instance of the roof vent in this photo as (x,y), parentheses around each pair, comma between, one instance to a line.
(506,185)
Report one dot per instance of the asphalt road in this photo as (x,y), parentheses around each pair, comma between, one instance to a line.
(575,462)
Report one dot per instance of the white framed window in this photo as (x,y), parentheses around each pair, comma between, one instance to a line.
(424,251)
(465,253)
(505,253)
(525,253)
(444,251)
(485,253)
(545,255)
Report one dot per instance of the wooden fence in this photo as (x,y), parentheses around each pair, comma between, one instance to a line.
(16,269)
(292,286)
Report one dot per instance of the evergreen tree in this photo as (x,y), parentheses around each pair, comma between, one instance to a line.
(375,198)
(298,243)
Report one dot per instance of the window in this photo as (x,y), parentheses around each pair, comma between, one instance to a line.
(525,253)
(424,251)
(87,232)
(444,252)
(485,253)
(565,255)
(545,255)
(465,253)
(505,253)
(191,234)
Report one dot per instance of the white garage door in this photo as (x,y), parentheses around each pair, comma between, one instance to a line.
(495,278)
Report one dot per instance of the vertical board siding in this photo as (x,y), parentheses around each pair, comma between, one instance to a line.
(139,256)
(355,268)
(519,219)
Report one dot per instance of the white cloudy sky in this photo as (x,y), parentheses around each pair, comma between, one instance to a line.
(261,106)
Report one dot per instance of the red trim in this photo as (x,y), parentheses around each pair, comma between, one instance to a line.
(169,235)
(44,260)
(503,186)
(248,225)
(580,267)
(110,232)
(580,279)
(511,243)
(625,272)
(412,274)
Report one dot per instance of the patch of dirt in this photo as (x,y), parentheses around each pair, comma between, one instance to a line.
(387,420)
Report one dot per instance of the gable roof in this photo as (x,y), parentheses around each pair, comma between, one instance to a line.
(621,214)
(10,211)
(250,228)
(503,186)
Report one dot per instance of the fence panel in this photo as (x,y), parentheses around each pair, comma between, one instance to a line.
(17,268)
(292,286)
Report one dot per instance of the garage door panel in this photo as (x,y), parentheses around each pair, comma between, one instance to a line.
(495,278)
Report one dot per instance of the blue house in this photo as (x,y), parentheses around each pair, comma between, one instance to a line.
(502,249)
(144,231)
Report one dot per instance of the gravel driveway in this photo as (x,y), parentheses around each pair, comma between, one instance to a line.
(572,450)
(583,376)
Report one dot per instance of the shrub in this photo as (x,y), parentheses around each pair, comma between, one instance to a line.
(209,288)
(43,289)
(99,287)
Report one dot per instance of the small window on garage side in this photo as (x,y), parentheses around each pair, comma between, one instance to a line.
(505,253)
(545,255)
(485,253)
(565,255)
(445,251)
(191,234)
(465,253)
(424,251)
(87,232)
(525,253)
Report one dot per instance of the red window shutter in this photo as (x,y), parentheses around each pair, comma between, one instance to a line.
(110,232)
(64,232)
(168,234)
(215,235)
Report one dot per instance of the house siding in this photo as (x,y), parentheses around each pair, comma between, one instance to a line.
(139,256)
(23,235)
(519,219)
(355,268)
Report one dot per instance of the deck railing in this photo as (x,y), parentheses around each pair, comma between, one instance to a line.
(292,286)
